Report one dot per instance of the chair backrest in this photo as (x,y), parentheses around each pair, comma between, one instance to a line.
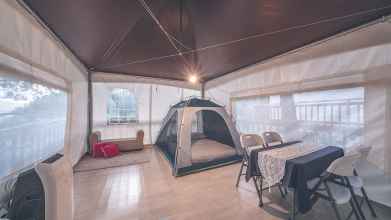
(250,140)
(344,166)
(272,137)
(364,151)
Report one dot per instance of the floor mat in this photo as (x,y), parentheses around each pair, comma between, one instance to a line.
(89,163)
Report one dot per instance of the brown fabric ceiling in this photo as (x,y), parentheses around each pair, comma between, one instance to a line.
(119,36)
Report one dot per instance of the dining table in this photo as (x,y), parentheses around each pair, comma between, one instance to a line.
(292,165)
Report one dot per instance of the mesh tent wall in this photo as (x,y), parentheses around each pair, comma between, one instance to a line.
(189,121)
(359,60)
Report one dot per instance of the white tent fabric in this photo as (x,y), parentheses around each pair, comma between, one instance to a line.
(28,50)
(122,78)
(152,104)
(360,58)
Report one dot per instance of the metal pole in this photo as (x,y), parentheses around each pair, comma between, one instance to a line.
(203,90)
(90,116)
(150,113)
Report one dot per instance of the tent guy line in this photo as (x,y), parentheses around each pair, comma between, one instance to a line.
(116,44)
(169,37)
(297,27)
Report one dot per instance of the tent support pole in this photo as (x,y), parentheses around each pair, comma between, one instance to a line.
(203,90)
(89,111)
(150,113)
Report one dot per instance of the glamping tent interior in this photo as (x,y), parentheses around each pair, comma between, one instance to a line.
(106,105)
(206,136)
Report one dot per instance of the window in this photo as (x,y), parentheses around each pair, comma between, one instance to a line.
(121,107)
(32,123)
(330,117)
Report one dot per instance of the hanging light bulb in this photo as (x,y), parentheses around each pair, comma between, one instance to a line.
(193,78)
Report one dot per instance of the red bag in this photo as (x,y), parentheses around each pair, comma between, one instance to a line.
(97,149)
(110,150)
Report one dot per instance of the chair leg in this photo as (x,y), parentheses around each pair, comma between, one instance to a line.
(281,191)
(240,174)
(366,199)
(261,187)
(259,191)
(333,204)
(355,199)
(292,210)
(354,210)
(364,193)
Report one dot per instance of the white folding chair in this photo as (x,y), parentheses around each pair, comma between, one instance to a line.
(247,141)
(357,182)
(337,187)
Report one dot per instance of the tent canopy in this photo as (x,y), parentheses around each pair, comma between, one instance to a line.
(211,38)
(196,102)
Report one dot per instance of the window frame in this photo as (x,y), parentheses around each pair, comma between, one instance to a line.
(110,121)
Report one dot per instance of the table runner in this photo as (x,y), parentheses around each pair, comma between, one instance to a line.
(272,162)
(253,169)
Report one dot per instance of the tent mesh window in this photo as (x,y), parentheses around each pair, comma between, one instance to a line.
(167,139)
(213,127)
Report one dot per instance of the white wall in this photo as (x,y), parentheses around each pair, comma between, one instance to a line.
(27,49)
(153,103)
(101,92)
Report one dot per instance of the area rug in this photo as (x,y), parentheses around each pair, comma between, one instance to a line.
(88,163)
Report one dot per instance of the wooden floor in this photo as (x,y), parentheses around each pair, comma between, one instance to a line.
(149,191)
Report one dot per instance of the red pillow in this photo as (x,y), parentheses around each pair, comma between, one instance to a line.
(97,149)
(110,150)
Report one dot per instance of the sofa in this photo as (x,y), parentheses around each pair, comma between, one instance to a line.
(124,144)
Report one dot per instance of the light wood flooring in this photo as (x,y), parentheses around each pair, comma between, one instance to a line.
(149,191)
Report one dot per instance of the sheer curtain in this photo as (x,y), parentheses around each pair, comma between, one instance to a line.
(32,123)
(328,117)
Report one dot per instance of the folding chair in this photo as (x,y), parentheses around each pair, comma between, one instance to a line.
(247,141)
(272,138)
(337,187)
(357,182)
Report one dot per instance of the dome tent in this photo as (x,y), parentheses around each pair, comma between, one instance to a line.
(198,134)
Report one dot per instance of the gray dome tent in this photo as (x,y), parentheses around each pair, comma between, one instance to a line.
(198,134)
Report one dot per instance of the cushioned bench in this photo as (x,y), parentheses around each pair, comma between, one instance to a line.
(124,144)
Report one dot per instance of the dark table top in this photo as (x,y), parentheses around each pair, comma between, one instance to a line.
(299,170)
(253,169)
